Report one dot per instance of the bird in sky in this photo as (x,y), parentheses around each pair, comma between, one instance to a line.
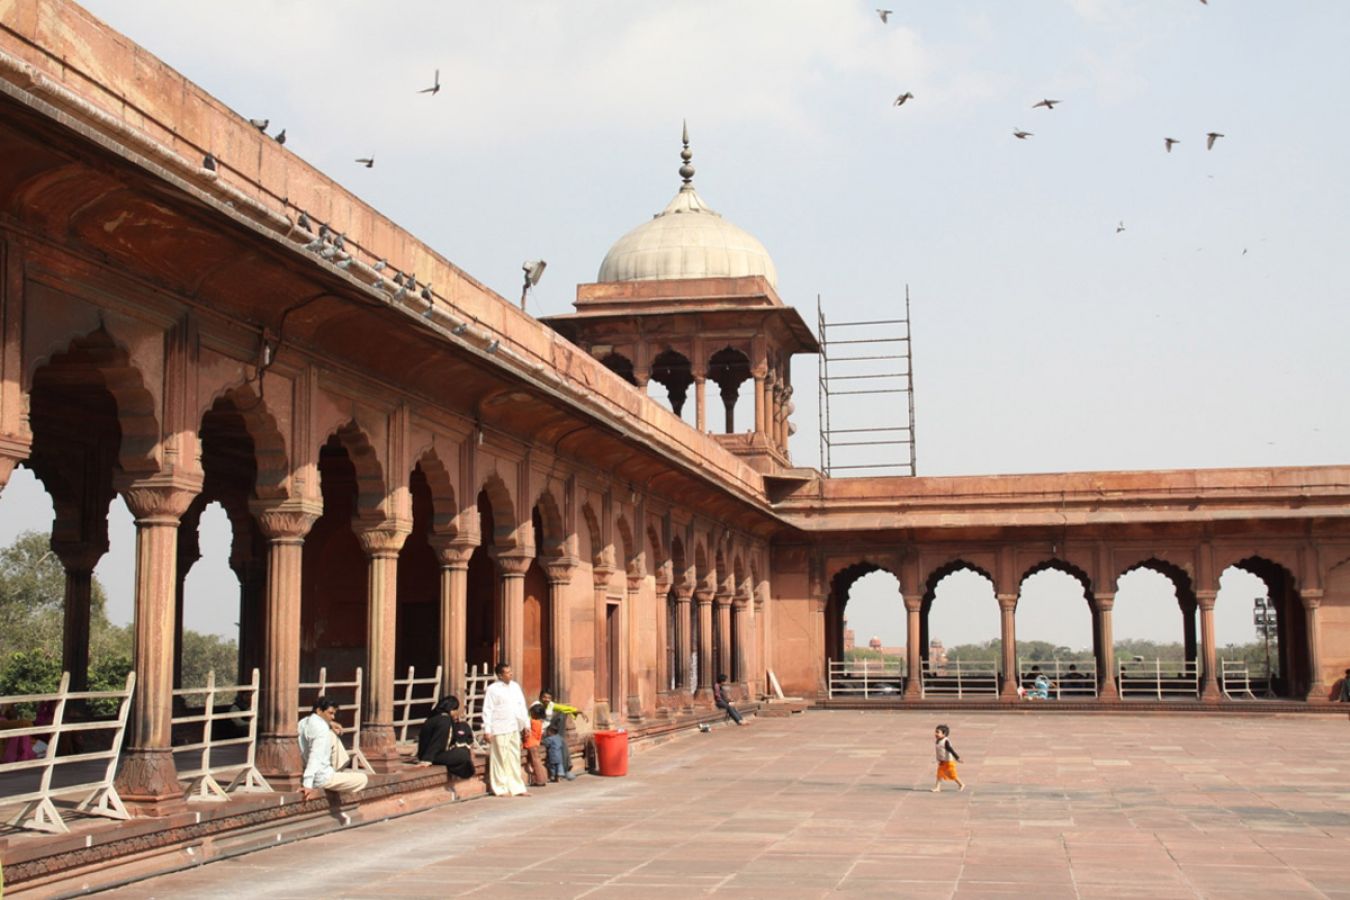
(1168,142)
(1210,139)
(209,163)
(900,101)
(260,124)
(1120,227)
(367,161)
(435,87)
(885,15)
(281,136)
(1021,135)
(1048,104)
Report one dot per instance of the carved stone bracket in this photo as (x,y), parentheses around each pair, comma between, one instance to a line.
(1311,597)
(602,574)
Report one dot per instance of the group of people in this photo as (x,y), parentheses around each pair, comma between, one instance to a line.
(538,730)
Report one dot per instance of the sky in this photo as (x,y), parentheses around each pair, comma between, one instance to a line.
(1210,331)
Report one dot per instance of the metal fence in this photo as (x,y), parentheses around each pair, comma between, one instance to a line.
(350,711)
(476,680)
(1072,679)
(409,708)
(1239,682)
(961,679)
(1159,679)
(213,737)
(39,812)
(866,678)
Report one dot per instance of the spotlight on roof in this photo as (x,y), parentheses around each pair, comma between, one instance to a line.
(534,270)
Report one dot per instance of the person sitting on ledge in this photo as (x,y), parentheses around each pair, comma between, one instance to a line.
(720,699)
(445,739)
(1344,695)
(323,753)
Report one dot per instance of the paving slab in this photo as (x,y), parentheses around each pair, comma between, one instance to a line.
(1074,806)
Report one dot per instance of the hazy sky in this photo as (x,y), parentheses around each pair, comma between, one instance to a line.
(1045,339)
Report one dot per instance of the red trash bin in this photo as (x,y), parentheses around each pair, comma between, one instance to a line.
(611,752)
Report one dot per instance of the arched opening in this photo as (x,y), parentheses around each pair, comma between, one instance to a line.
(333,575)
(866,630)
(212,600)
(671,370)
(1055,630)
(1240,586)
(419,580)
(959,618)
(677,655)
(484,593)
(729,368)
(1155,614)
(620,365)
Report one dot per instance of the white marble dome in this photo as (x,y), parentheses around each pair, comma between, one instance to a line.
(687,239)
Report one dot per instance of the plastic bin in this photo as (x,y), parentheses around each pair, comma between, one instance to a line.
(611,752)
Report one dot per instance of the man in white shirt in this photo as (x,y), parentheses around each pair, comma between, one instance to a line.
(505,719)
(318,734)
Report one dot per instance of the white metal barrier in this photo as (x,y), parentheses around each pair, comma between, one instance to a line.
(1160,679)
(39,812)
(405,690)
(350,731)
(1073,679)
(961,679)
(476,680)
(866,678)
(203,784)
(1239,682)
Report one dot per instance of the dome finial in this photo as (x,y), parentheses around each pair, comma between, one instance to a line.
(686,170)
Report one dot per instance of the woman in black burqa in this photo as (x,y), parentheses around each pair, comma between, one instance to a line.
(445,739)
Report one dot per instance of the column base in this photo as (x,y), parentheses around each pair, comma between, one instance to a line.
(1318,693)
(379,747)
(278,757)
(1210,693)
(913,691)
(148,783)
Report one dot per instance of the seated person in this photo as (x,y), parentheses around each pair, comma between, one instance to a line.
(722,702)
(322,752)
(445,739)
(1040,689)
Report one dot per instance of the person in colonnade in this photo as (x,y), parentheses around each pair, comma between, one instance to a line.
(506,720)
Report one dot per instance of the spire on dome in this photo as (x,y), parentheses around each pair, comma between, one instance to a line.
(686,170)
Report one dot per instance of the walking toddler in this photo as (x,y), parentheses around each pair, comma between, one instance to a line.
(947,757)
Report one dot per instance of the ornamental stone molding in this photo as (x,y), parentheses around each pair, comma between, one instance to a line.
(286,520)
(160,499)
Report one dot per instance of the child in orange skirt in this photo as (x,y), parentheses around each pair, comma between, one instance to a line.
(947,758)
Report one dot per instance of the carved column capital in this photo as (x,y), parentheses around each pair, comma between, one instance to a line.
(1104,602)
(1205,600)
(79,556)
(559,570)
(286,521)
(514,563)
(913,604)
(453,552)
(704,596)
(159,499)
(723,598)
(1311,597)
(384,540)
(684,592)
(602,574)
(1007,602)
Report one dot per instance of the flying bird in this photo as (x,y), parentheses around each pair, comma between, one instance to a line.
(885,15)
(368,161)
(1048,104)
(1168,142)
(1120,227)
(281,136)
(260,124)
(900,101)
(1021,135)
(435,87)
(1210,139)
(209,163)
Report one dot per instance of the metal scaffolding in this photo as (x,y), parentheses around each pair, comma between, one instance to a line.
(874,361)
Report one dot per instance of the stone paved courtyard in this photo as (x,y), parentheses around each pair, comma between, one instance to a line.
(838,803)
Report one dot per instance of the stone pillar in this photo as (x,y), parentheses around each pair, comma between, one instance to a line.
(729,397)
(453,555)
(740,616)
(285,525)
(148,776)
(601,575)
(1209,662)
(250,567)
(704,598)
(381,545)
(633,646)
(513,565)
(78,559)
(700,403)
(722,606)
(1007,606)
(685,676)
(560,627)
(1103,605)
(913,649)
(761,406)
(1188,629)
(1318,690)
